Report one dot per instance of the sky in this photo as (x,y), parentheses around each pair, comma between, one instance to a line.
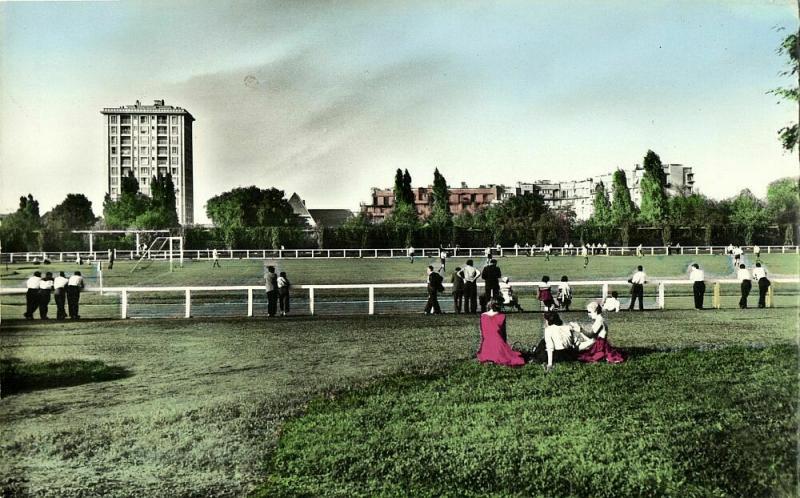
(328,99)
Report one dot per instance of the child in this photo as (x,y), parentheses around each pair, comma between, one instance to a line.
(564,293)
(612,303)
(545,296)
(283,292)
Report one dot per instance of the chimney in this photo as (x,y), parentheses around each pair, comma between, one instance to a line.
(158,102)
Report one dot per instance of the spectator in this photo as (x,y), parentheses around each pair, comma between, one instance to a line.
(470,276)
(545,296)
(32,294)
(612,303)
(60,294)
(271,284)
(45,289)
(457,279)
(743,275)
(637,282)
(74,287)
(507,293)
(494,346)
(760,276)
(560,342)
(564,295)
(283,293)
(410,253)
(434,287)
(491,276)
(697,277)
(600,349)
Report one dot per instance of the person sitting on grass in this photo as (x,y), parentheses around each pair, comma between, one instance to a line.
(507,293)
(600,349)
(612,303)
(494,346)
(545,296)
(560,342)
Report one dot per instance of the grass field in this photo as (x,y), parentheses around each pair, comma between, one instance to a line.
(205,402)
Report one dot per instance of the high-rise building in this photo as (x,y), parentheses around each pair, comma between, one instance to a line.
(147,140)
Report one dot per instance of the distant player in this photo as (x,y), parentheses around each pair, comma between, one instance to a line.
(757,253)
(215,258)
(639,253)
(410,253)
(585,254)
(547,249)
(442,258)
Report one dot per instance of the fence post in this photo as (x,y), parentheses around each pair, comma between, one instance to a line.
(660,300)
(124,304)
(783,249)
(372,300)
(769,297)
(250,301)
(769,249)
(605,290)
(697,250)
(311,300)
(715,300)
(188,312)
(247,254)
(376,253)
(61,256)
(652,251)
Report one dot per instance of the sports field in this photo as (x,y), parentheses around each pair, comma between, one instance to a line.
(394,404)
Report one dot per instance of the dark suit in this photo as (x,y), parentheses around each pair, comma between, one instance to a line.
(272,293)
(491,276)
(434,281)
(458,291)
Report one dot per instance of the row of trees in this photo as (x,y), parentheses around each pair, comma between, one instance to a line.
(26,230)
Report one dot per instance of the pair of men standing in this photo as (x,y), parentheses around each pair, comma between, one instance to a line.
(760,276)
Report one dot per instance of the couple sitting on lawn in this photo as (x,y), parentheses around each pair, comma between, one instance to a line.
(560,342)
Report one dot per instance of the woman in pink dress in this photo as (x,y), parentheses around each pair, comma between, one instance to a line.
(601,349)
(494,346)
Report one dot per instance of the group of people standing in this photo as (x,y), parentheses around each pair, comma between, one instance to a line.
(65,290)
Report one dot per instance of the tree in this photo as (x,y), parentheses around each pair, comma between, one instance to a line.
(440,213)
(623,210)
(783,200)
(74,213)
(122,213)
(161,210)
(250,207)
(20,231)
(408,190)
(748,214)
(790,47)
(399,189)
(653,186)
(602,206)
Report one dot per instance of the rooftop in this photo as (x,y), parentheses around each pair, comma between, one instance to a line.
(157,107)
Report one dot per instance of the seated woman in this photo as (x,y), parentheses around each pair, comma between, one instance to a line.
(600,349)
(494,346)
(507,293)
(560,342)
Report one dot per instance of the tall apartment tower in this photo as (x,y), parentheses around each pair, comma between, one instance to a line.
(147,140)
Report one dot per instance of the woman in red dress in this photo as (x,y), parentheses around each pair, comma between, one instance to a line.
(601,349)
(494,345)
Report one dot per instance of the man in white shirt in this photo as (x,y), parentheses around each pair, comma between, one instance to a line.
(760,276)
(32,294)
(743,275)
(470,276)
(410,254)
(60,294)
(637,282)
(547,249)
(757,253)
(697,277)
(215,258)
(45,289)
(612,303)
(639,252)
(442,259)
(74,287)
(585,254)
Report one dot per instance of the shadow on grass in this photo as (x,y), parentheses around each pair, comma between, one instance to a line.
(17,376)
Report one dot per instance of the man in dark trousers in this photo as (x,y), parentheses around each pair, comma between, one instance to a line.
(74,288)
(470,276)
(760,276)
(272,291)
(491,276)
(434,287)
(697,277)
(60,294)
(745,284)
(458,289)
(45,289)
(637,282)
(32,294)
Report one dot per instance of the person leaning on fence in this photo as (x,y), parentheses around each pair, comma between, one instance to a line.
(32,294)
(470,276)
(74,287)
(283,293)
(745,284)
(457,279)
(494,346)
(215,258)
(60,295)
(637,282)
(697,277)
(45,289)
(564,295)
(435,286)
(491,276)
(271,284)
(760,276)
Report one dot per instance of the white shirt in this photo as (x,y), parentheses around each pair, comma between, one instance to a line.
(487,251)
(470,273)
(639,247)
(756,249)
(743,274)
(505,291)
(410,251)
(611,304)
(599,327)
(696,275)
(759,273)
(638,278)
(33,282)
(738,251)
(559,337)
(584,251)
(46,284)
(443,255)
(75,280)
(564,290)
(60,282)
(214,254)
(283,282)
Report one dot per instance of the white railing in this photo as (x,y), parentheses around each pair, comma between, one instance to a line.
(125,292)
(463,252)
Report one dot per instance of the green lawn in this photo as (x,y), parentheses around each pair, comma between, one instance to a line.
(206,400)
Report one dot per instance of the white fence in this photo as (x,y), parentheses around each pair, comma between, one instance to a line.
(464,252)
(602,286)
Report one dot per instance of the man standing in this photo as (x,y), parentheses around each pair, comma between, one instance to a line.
(442,257)
(32,294)
(45,289)
(491,276)
(760,276)
(639,253)
(745,284)
(470,275)
(637,282)
(111,258)
(547,248)
(697,277)
(488,254)
(272,291)
(434,286)
(60,294)
(74,287)
(410,253)
(585,254)
(458,289)
(757,253)
(215,257)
